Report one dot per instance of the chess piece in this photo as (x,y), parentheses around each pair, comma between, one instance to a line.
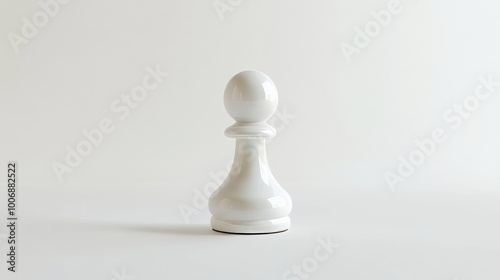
(250,200)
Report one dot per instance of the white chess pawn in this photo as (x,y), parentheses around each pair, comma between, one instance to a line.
(250,200)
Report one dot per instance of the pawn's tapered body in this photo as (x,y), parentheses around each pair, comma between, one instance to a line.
(250,200)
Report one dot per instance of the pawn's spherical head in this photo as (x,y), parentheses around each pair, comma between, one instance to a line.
(250,96)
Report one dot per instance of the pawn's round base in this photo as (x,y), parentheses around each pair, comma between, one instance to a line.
(253,227)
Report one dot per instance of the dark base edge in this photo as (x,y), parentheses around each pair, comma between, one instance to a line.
(250,233)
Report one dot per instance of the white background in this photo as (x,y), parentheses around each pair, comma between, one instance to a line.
(350,122)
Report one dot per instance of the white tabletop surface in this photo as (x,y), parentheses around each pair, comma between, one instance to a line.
(371,235)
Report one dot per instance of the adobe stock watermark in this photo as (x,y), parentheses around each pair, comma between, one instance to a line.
(455,117)
(121,108)
(30,27)
(321,253)
(122,275)
(372,29)
(280,120)
(224,6)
